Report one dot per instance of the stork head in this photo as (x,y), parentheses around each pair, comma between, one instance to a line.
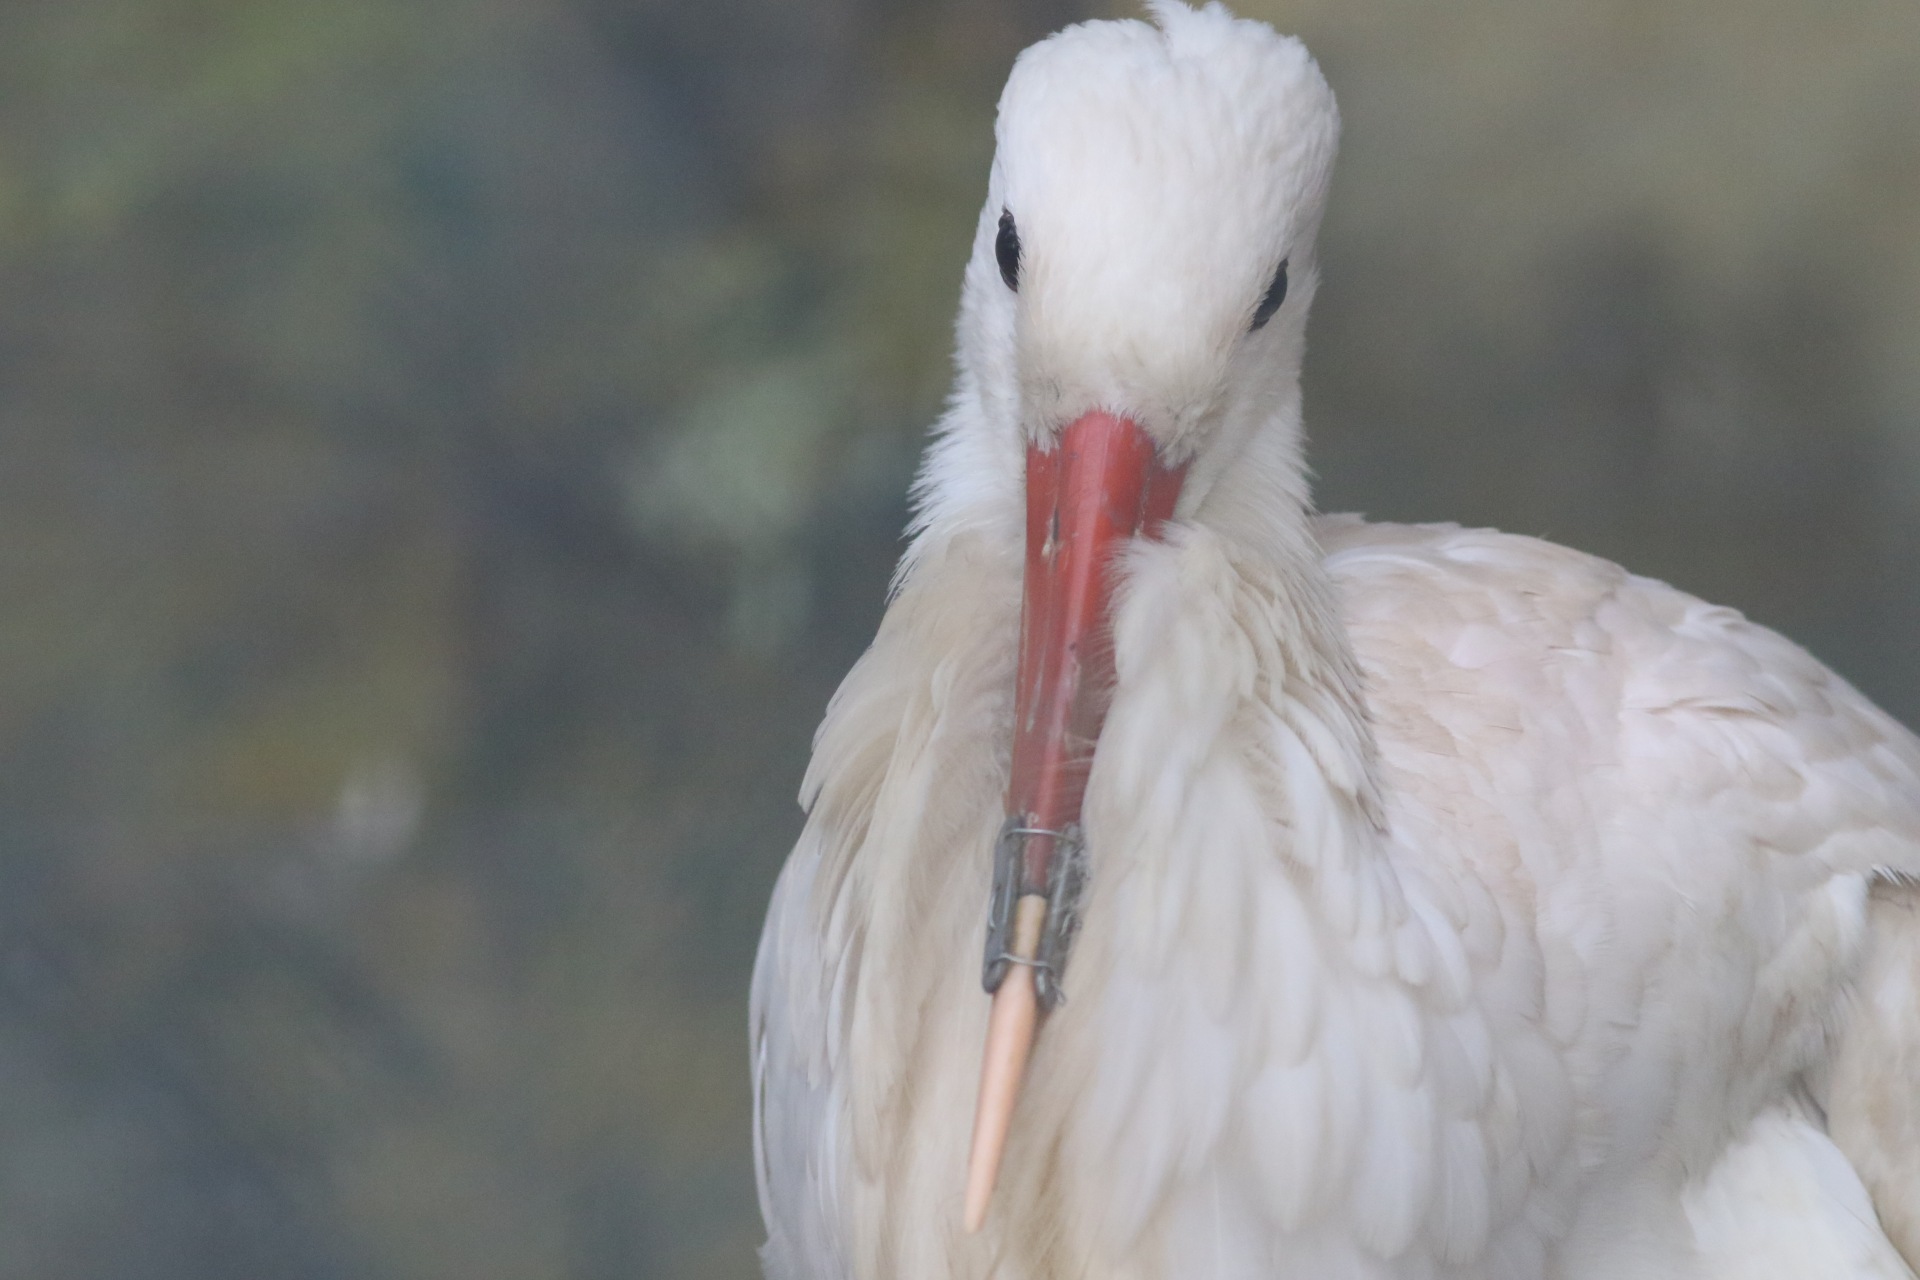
(1153,186)
(1135,311)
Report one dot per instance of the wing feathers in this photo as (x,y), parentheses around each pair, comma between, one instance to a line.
(1873,1092)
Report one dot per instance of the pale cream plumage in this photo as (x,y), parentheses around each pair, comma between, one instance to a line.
(1461,905)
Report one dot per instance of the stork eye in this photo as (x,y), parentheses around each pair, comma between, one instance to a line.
(1276,293)
(1006,248)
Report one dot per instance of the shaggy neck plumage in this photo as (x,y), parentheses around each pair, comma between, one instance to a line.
(1248,503)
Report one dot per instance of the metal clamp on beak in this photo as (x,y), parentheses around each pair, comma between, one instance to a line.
(1066,883)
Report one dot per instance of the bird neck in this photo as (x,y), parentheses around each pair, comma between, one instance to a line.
(1228,640)
(1261,510)
(1242,559)
(1236,615)
(1250,494)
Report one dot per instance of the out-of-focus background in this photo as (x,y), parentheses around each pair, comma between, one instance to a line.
(449,450)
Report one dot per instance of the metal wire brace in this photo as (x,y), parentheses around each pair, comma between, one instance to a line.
(1066,884)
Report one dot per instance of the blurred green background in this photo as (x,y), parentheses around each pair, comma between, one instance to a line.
(449,450)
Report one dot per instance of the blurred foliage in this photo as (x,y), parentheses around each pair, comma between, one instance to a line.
(449,449)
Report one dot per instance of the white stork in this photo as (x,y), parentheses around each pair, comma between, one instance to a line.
(1425,901)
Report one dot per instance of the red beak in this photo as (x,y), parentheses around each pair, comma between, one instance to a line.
(1100,486)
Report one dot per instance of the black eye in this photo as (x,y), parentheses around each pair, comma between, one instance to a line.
(1276,293)
(1006,248)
